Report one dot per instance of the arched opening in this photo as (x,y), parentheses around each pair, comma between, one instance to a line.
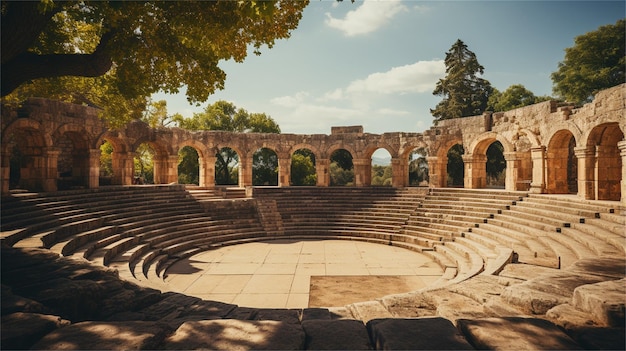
(455,166)
(188,166)
(227,167)
(265,167)
(495,166)
(106,163)
(18,158)
(144,164)
(418,167)
(382,173)
(303,168)
(341,168)
(73,161)
(608,162)
(562,164)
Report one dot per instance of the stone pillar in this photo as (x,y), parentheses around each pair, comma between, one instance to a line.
(586,158)
(622,152)
(5,172)
(608,173)
(437,172)
(322,169)
(123,168)
(475,171)
(400,173)
(93,177)
(48,170)
(171,169)
(511,176)
(362,172)
(206,176)
(538,183)
(245,171)
(284,171)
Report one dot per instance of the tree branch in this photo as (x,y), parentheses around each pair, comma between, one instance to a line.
(27,66)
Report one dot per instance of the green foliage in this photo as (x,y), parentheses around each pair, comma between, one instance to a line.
(106,159)
(224,115)
(496,164)
(456,168)
(188,166)
(265,167)
(140,47)
(418,167)
(596,61)
(381,175)
(227,167)
(341,168)
(144,165)
(464,92)
(303,168)
(513,97)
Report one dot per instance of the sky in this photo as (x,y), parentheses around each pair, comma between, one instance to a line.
(376,63)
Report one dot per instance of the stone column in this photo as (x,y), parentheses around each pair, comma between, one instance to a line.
(171,169)
(245,171)
(475,171)
(437,173)
(93,176)
(586,158)
(284,171)
(538,183)
(322,169)
(206,176)
(400,173)
(607,173)
(622,152)
(362,172)
(5,172)
(48,169)
(123,167)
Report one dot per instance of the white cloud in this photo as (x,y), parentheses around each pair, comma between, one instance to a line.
(419,77)
(371,101)
(367,18)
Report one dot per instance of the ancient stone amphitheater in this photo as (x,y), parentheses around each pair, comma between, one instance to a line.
(85,268)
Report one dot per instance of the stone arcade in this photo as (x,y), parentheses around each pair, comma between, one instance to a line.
(536,141)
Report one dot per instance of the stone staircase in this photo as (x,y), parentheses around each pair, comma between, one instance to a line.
(511,260)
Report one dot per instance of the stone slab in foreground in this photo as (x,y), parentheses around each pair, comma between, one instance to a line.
(416,334)
(515,333)
(232,334)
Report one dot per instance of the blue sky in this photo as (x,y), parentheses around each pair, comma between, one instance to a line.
(376,63)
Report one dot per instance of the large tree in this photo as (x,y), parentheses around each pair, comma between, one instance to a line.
(596,61)
(145,46)
(464,92)
(513,97)
(224,115)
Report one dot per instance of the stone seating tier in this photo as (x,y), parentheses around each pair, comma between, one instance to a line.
(141,231)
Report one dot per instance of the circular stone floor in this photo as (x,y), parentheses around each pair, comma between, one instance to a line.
(300,274)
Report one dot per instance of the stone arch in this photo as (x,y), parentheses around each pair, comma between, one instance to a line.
(190,160)
(600,162)
(121,158)
(28,158)
(476,161)
(76,160)
(438,162)
(562,164)
(164,160)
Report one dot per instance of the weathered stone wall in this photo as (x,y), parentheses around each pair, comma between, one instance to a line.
(39,127)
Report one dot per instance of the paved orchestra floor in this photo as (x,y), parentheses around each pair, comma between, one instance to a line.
(277,273)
